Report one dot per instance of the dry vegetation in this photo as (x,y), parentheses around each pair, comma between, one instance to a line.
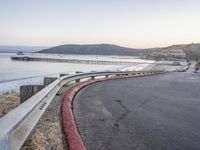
(48,131)
(8,101)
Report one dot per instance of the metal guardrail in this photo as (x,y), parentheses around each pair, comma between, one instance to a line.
(16,126)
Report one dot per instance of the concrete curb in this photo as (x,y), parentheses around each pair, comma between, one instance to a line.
(70,130)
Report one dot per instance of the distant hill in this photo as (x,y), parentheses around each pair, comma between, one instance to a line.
(185,51)
(25,49)
(182,51)
(192,51)
(95,49)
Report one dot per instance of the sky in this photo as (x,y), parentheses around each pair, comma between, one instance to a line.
(129,23)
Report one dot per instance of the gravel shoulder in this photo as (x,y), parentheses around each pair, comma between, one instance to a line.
(48,132)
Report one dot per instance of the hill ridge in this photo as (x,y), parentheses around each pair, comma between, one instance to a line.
(179,51)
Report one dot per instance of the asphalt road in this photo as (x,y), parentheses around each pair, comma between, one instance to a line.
(160,112)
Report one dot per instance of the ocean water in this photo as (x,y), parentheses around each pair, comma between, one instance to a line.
(13,74)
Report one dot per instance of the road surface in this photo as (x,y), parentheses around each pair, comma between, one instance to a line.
(160,112)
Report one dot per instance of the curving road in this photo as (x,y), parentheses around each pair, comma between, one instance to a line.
(159,112)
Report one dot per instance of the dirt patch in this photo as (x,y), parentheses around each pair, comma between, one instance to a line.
(8,101)
(48,132)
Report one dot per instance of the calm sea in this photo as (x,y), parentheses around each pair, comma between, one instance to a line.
(13,74)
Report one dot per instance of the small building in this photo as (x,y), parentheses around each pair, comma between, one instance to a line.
(20,53)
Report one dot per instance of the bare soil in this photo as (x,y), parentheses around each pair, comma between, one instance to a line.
(48,132)
(8,101)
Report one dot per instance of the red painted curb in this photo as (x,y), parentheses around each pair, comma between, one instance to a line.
(68,122)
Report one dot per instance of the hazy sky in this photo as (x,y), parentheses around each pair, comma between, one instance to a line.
(131,23)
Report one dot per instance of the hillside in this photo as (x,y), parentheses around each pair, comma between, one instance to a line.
(96,49)
(192,51)
(182,51)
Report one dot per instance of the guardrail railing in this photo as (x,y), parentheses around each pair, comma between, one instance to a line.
(16,126)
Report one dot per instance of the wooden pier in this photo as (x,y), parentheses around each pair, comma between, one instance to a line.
(77,61)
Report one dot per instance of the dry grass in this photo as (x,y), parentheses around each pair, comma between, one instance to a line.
(36,142)
(48,132)
(45,137)
(8,101)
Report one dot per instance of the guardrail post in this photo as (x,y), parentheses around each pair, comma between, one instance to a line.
(106,76)
(93,77)
(63,74)
(48,80)
(26,91)
(77,72)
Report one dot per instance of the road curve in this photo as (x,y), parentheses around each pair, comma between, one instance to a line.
(144,113)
